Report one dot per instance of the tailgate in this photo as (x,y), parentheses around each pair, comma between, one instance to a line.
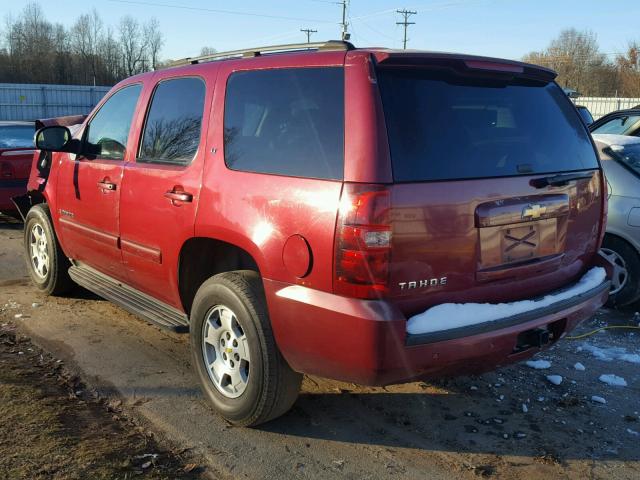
(497,192)
(490,240)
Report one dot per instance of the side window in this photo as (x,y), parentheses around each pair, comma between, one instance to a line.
(286,122)
(172,129)
(108,130)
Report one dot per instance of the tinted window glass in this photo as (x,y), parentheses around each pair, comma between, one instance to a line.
(16,136)
(109,129)
(619,126)
(172,131)
(286,121)
(442,126)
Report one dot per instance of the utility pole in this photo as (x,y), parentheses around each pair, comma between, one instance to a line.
(406,14)
(308,31)
(344,24)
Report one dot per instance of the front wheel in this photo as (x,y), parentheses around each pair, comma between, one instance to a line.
(625,282)
(241,370)
(46,263)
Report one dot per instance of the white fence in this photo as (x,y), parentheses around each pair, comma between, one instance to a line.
(600,106)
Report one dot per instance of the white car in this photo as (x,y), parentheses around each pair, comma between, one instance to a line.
(620,156)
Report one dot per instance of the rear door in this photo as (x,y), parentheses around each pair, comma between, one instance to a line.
(497,188)
(161,187)
(89,187)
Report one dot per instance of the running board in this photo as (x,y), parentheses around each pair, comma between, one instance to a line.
(132,300)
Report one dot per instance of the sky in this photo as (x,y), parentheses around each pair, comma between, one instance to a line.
(499,28)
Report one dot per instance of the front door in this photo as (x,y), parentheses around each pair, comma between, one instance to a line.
(160,189)
(89,186)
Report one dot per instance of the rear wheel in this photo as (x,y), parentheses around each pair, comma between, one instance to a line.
(46,263)
(239,365)
(625,282)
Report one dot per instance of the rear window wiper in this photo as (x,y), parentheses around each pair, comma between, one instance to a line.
(559,180)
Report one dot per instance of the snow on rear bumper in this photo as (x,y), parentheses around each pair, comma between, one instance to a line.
(451,321)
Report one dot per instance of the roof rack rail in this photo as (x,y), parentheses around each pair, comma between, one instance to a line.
(256,52)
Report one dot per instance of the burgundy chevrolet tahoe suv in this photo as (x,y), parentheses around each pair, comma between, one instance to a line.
(367,215)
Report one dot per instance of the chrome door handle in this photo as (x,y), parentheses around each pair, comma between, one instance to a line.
(105,185)
(178,196)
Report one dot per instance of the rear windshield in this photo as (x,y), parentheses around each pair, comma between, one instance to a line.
(16,136)
(443,126)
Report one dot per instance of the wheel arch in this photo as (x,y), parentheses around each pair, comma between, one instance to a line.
(202,257)
(624,237)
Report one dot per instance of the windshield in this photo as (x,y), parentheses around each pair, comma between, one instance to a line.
(628,155)
(16,136)
(619,125)
(443,126)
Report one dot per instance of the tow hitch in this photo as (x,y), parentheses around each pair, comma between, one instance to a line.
(538,337)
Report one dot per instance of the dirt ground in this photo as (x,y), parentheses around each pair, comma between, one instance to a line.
(53,428)
(509,424)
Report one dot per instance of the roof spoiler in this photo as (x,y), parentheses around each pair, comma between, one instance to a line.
(466,64)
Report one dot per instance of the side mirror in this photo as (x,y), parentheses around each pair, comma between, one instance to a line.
(55,139)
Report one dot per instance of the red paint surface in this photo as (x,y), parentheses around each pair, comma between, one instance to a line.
(136,234)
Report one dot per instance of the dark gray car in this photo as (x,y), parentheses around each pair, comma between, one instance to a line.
(620,157)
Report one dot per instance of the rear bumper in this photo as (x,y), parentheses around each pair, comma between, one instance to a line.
(365,341)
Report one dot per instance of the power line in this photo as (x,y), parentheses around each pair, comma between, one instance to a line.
(215,10)
(406,14)
(308,31)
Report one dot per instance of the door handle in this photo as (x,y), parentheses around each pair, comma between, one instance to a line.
(106,185)
(174,196)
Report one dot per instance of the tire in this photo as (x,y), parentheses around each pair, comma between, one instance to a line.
(249,382)
(46,263)
(626,282)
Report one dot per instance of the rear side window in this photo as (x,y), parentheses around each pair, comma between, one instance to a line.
(620,125)
(172,130)
(286,122)
(108,130)
(16,136)
(444,127)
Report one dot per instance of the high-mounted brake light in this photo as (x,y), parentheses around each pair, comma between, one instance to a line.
(493,66)
(363,242)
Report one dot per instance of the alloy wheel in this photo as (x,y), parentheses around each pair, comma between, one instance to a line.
(225,349)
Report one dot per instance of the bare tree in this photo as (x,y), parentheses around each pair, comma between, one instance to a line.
(629,70)
(576,57)
(134,45)
(86,35)
(155,41)
(207,51)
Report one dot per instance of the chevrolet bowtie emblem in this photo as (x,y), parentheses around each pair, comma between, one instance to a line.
(534,211)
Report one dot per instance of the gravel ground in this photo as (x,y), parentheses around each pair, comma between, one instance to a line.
(511,424)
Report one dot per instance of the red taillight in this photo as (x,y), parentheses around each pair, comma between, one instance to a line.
(6,170)
(363,241)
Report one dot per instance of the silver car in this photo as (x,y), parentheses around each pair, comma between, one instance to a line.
(620,157)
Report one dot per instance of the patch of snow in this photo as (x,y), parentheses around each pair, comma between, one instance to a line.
(579,366)
(611,354)
(597,399)
(613,380)
(538,364)
(525,409)
(454,315)
(555,379)
(633,432)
